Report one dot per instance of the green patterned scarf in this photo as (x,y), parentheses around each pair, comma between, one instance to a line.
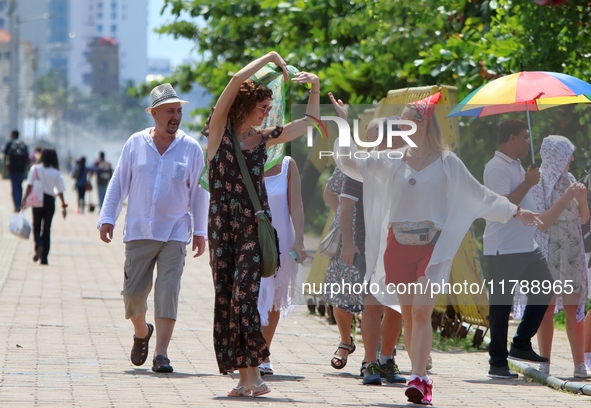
(271,76)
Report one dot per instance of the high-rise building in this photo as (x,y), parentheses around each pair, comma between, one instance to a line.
(62,31)
(104,61)
(123,20)
(26,74)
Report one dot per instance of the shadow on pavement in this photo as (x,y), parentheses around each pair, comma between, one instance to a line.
(515,382)
(280,377)
(175,374)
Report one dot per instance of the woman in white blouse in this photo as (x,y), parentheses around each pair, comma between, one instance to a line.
(47,171)
(425,188)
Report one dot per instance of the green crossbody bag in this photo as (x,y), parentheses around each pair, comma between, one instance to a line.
(268,240)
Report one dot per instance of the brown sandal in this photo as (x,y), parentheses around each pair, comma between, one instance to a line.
(336,359)
(139,351)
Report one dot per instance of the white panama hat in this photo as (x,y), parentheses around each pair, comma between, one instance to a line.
(162,94)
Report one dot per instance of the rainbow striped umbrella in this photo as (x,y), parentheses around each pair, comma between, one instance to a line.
(524,91)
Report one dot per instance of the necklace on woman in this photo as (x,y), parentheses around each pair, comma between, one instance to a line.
(244,136)
(412,180)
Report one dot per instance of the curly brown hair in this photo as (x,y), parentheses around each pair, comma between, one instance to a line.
(249,95)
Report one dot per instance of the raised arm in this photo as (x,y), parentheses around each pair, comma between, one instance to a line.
(583,203)
(550,216)
(219,117)
(299,126)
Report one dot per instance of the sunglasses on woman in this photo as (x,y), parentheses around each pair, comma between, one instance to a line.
(266,109)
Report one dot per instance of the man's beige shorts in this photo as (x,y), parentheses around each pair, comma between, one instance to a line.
(140,258)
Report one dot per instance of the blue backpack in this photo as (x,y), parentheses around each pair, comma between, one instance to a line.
(18,156)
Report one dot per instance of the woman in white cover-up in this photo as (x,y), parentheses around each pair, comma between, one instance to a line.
(279,294)
(422,184)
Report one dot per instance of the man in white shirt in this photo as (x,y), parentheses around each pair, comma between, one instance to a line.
(158,173)
(512,253)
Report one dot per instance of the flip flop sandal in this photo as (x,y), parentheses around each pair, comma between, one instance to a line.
(260,389)
(139,351)
(239,392)
(343,360)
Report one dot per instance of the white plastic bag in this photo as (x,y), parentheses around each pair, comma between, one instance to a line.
(20,226)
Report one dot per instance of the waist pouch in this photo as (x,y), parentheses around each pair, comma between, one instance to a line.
(415,232)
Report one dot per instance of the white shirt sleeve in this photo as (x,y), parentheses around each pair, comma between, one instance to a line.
(118,189)
(31,175)
(198,197)
(60,186)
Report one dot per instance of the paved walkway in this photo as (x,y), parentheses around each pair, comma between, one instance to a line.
(66,342)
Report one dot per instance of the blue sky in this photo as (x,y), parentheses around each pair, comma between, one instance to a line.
(161,46)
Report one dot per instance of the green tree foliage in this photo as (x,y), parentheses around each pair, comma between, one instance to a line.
(360,49)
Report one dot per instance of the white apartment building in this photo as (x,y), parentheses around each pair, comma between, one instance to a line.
(61,30)
(124,20)
(27,63)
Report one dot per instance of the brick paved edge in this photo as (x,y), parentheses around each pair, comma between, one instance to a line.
(8,244)
(551,381)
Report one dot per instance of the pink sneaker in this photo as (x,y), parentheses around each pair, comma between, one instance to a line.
(415,392)
(428,394)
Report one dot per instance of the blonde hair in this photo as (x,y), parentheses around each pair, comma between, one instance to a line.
(434,135)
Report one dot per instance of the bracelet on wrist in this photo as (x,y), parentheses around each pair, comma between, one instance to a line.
(517,212)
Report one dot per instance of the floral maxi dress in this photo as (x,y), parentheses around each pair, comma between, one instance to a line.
(235,255)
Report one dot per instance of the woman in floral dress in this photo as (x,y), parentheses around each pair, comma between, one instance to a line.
(347,304)
(235,255)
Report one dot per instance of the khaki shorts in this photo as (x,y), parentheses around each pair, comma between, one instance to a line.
(140,258)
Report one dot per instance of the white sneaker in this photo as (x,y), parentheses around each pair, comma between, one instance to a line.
(588,361)
(544,368)
(580,371)
(266,368)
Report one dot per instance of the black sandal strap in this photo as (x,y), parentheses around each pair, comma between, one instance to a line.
(349,347)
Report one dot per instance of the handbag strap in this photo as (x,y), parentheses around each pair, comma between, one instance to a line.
(246,176)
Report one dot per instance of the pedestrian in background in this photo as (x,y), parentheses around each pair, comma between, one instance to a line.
(35,155)
(104,172)
(511,252)
(16,163)
(48,171)
(80,174)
